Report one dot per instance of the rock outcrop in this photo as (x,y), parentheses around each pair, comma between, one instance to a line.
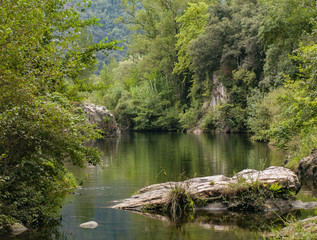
(103,119)
(212,187)
(219,93)
(307,168)
(17,229)
(90,224)
(218,96)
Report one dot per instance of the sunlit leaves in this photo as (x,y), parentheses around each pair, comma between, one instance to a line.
(193,23)
(286,23)
(299,115)
(41,122)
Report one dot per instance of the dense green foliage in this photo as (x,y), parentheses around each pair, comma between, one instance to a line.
(41,123)
(287,115)
(107,12)
(186,46)
(218,65)
(238,66)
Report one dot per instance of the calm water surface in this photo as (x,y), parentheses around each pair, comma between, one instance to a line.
(136,160)
(133,161)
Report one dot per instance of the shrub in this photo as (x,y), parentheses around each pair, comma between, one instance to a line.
(251,195)
(263,112)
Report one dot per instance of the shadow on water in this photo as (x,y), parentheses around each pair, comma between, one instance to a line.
(226,220)
(49,233)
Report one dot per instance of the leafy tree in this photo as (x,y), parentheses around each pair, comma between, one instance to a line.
(263,111)
(106,74)
(154,38)
(193,23)
(155,108)
(297,128)
(41,123)
(107,11)
(229,41)
(230,51)
(287,115)
(286,23)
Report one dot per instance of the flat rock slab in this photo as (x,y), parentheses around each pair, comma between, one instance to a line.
(90,224)
(209,187)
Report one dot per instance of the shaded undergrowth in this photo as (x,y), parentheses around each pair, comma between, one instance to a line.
(251,195)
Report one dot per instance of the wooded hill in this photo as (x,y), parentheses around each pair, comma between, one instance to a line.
(261,53)
(107,11)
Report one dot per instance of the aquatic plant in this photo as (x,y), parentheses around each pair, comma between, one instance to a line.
(180,203)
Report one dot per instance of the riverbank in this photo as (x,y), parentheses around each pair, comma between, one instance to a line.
(249,190)
(134,160)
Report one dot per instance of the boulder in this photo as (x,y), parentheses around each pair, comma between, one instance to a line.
(307,168)
(211,188)
(90,224)
(17,229)
(103,119)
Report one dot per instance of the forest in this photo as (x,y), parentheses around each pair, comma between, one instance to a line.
(176,57)
(180,54)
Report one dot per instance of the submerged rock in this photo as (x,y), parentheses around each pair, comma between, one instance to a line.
(271,205)
(90,224)
(307,168)
(17,229)
(103,119)
(212,188)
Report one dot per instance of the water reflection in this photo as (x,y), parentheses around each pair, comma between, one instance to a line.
(159,157)
(135,160)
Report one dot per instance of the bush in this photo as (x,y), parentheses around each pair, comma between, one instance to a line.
(263,112)
(6,222)
(209,121)
(35,141)
(246,195)
(190,117)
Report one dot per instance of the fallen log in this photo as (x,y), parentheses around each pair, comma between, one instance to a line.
(274,182)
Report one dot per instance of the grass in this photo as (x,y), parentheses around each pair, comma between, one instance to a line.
(305,230)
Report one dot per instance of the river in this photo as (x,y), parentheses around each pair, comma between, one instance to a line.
(133,161)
